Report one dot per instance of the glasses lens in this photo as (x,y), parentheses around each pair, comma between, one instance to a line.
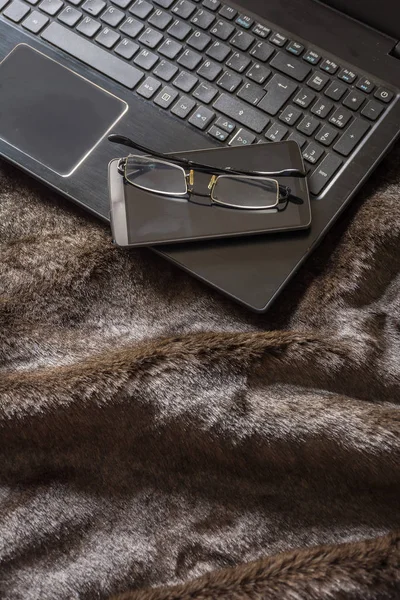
(155,175)
(251,193)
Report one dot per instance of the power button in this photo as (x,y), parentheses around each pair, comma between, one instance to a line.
(384,94)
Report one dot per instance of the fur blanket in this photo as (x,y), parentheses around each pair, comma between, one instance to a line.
(158,442)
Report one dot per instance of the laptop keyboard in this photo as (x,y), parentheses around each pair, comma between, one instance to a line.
(235,79)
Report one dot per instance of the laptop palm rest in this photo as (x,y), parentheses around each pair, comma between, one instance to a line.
(50,113)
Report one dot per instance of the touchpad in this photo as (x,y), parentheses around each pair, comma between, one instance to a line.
(50,113)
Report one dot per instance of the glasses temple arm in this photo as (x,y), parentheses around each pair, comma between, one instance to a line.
(125,141)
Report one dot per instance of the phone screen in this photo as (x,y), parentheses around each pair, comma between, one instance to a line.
(142,218)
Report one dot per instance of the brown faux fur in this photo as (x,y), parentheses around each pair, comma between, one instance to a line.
(158,442)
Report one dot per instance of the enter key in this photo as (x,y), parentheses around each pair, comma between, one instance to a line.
(279,90)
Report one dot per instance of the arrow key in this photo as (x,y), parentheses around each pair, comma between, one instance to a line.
(225,124)
(218,134)
(243,138)
(202,117)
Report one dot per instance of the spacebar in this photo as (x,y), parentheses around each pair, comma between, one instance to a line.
(92,55)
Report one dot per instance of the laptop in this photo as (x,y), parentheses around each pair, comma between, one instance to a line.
(182,75)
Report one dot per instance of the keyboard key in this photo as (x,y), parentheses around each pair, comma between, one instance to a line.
(70,16)
(238,62)
(228,12)
(218,51)
(340,117)
(165,70)
(324,173)
(164,3)
(141,9)
(203,19)
(351,137)
(278,39)
(261,30)
(4,3)
(372,110)
(170,48)
(88,27)
(185,81)
(107,37)
(312,57)
(218,134)
(149,87)
(276,132)
(354,100)
(261,51)
(365,85)
(312,153)
(225,124)
(166,97)
(190,59)
(222,30)
(199,41)
(252,93)
(16,11)
(242,40)
(258,73)
(318,81)
(279,90)
(35,21)
(151,37)
(52,7)
(290,115)
(127,48)
(179,29)
(112,16)
(93,7)
(229,81)
(92,55)
(160,19)
(120,3)
(336,90)
(347,75)
(299,139)
(241,112)
(146,59)
(202,117)
(212,4)
(384,94)
(184,9)
(242,138)
(326,135)
(245,21)
(308,125)
(290,66)
(205,92)
(183,107)
(209,70)
(322,108)
(131,27)
(295,48)
(304,98)
(329,66)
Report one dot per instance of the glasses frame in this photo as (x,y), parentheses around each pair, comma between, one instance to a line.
(190,167)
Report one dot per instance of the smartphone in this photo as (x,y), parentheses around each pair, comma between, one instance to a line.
(140,218)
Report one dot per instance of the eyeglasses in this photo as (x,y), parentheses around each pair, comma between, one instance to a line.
(162,174)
